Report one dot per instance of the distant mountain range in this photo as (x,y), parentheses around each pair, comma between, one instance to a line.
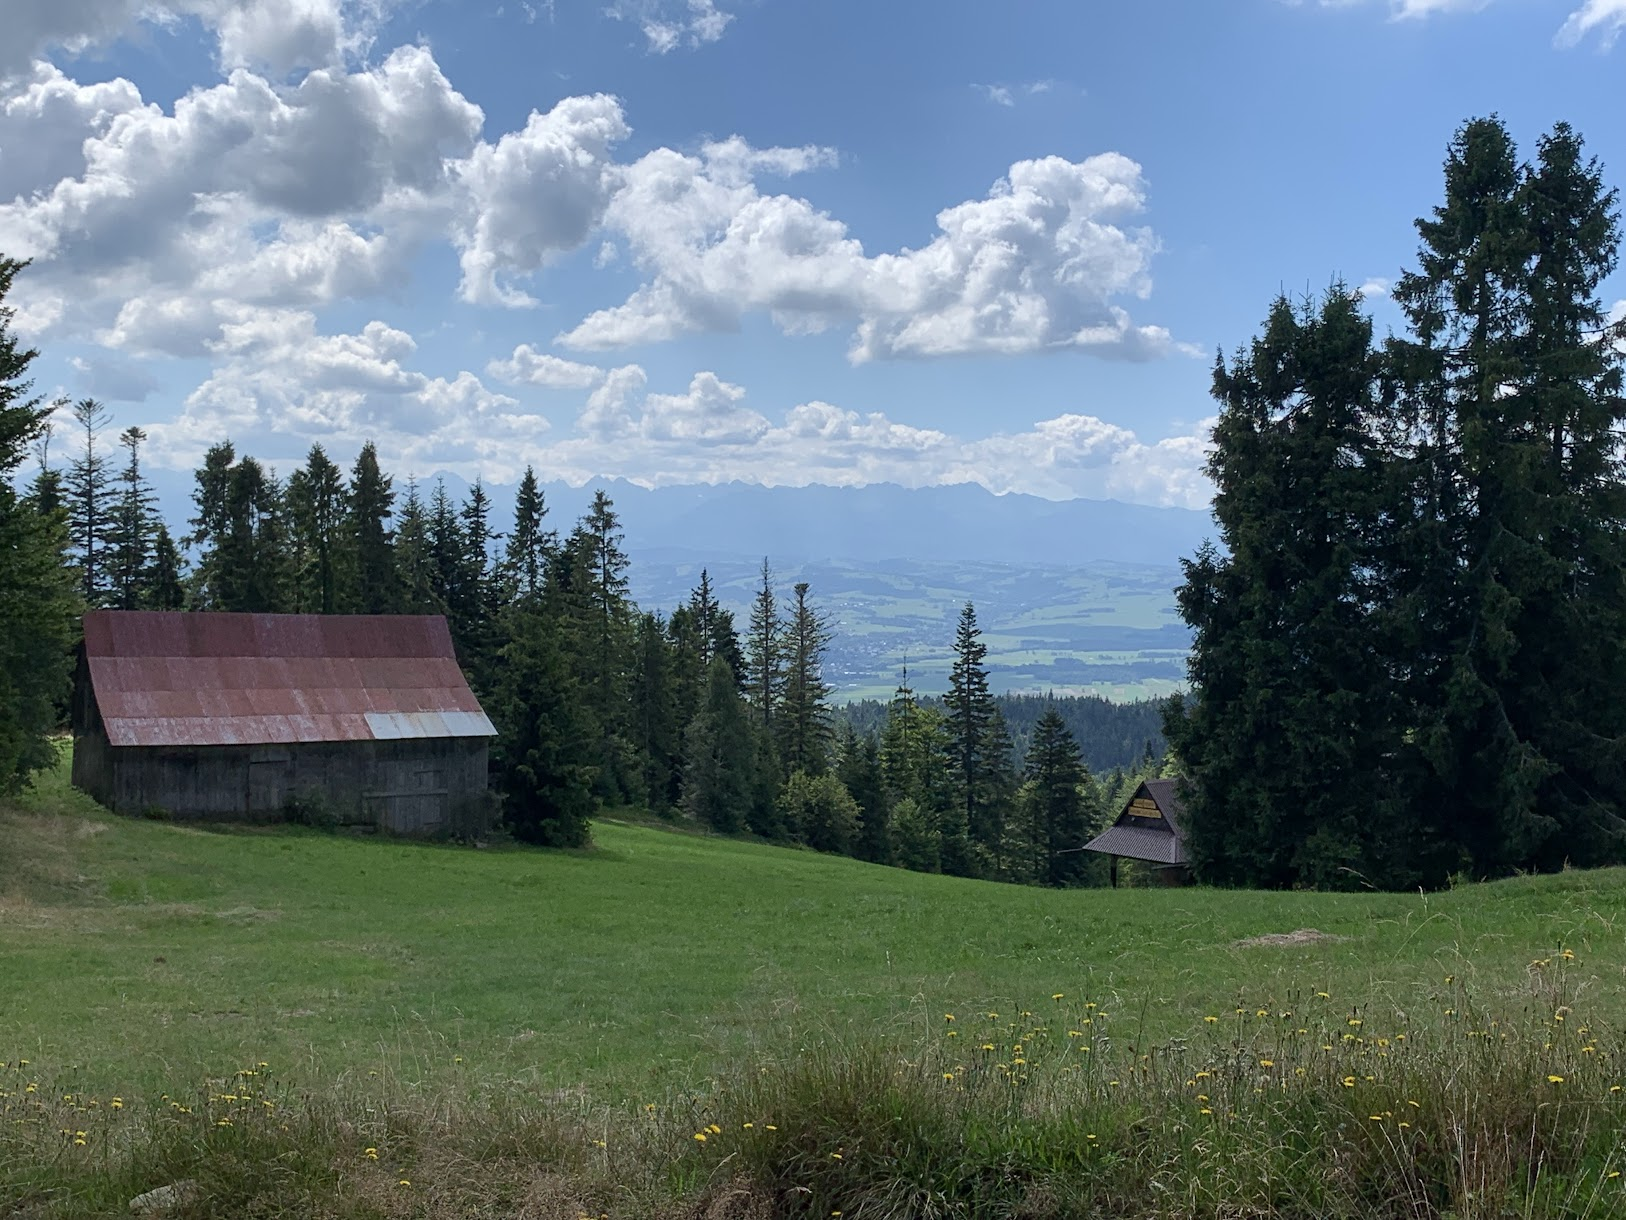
(866,524)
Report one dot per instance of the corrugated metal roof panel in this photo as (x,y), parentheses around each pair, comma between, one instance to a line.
(164,678)
(1157,846)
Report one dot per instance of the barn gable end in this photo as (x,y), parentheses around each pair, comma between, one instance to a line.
(354,718)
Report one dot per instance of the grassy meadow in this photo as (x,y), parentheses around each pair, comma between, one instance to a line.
(706,979)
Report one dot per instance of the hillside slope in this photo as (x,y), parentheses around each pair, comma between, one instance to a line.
(142,952)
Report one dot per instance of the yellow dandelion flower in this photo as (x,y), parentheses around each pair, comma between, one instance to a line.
(715,1129)
(1267,1063)
(1211,1020)
(835,1156)
(1613,1173)
(1555,1080)
(1205,1110)
(701,1136)
(948,1016)
(1355,1022)
(1403,1124)
(1348,1082)
(771,1127)
(747,1126)
(948,1075)
(600,1144)
(404,1182)
(1322,995)
(1060,995)
(371,1154)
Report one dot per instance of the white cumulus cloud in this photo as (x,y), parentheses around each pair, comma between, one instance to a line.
(1038,263)
(527,366)
(535,193)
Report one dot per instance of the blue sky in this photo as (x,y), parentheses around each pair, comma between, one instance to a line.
(784,241)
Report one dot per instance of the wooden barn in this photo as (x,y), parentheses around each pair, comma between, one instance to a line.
(1148,829)
(348,719)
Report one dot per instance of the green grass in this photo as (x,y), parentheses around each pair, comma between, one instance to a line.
(490,1026)
(143,954)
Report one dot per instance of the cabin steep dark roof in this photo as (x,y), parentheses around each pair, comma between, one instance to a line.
(174,678)
(1137,838)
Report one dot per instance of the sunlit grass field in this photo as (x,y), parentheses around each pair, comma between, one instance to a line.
(277,1022)
(144,955)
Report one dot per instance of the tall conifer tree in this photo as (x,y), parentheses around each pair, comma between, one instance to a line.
(373,584)
(92,502)
(37,603)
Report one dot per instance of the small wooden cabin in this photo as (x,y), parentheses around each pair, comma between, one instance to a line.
(355,719)
(1149,829)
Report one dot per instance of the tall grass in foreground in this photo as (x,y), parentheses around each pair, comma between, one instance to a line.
(1309,1109)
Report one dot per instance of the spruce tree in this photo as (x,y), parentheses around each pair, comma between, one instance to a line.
(37,602)
(482,596)
(804,714)
(250,562)
(415,577)
(541,759)
(92,503)
(1570,672)
(858,767)
(704,609)
(764,651)
(525,558)
(717,754)
(1291,730)
(605,626)
(209,523)
(1056,778)
(447,551)
(1511,572)
(1474,775)
(980,745)
(373,586)
(132,534)
(320,556)
(166,587)
(654,729)
(916,842)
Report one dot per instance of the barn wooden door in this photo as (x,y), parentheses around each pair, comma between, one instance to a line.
(270,777)
(414,800)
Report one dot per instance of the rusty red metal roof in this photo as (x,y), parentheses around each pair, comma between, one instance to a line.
(175,678)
